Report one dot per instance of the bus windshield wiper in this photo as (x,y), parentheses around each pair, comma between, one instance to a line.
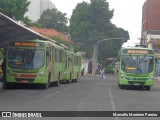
(132,58)
(143,58)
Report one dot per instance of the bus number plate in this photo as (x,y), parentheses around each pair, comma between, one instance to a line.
(136,84)
(24,81)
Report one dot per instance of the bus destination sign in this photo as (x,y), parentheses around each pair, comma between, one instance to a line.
(28,44)
(137,51)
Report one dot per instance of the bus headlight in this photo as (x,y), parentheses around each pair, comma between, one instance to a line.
(41,73)
(151,77)
(122,76)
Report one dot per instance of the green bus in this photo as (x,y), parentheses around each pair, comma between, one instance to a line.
(72,70)
(136,67)
(36,62)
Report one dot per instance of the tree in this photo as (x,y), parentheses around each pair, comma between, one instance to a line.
(91,22)
(14,9)
(54,19)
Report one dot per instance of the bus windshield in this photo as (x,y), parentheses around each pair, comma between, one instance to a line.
(138,64)
(25,58)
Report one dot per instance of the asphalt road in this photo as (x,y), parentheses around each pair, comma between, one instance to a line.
(89,94)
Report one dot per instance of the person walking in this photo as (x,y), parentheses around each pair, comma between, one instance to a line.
(105,72)
(102,73)
(82,72)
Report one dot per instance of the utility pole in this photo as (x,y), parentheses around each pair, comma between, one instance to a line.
(94,60)
(95,53)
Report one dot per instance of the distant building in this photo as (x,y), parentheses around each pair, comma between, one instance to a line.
(150,19)
(37,7)
(151,25)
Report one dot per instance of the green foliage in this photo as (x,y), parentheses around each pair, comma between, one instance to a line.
(54,19)
(14,8)
(34,24)
(91,22)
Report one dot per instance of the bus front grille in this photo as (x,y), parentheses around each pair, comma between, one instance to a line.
(134,82)
(24,79)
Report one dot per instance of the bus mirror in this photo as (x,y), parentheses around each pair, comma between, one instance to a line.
(47,54)
(155,60)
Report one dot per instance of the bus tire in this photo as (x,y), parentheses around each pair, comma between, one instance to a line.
(57,82)
(7,85)
(67,81)
(4,85)
(148,88)
(75,80)
(121,86)
(46,85)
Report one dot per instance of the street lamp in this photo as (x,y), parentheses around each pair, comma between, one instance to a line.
(97,47)
(105,40)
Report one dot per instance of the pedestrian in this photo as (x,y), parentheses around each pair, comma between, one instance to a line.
(102,73)
(82,72)
(116,67)
(99,67)
(105,72)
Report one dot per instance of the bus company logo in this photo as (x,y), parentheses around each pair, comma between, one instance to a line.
(6,114)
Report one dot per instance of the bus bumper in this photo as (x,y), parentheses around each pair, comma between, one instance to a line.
(39,80)
(136,83)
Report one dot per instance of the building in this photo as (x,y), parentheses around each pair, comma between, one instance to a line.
(53,34)
(37,7)
(151,25)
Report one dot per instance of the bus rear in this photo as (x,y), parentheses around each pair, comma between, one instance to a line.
(136,68)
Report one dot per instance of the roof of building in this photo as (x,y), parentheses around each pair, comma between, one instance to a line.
(11,30)
(52,33)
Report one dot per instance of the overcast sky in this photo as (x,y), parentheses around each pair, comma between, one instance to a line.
(127,13)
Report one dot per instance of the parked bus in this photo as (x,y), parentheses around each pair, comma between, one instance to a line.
(76,71)
(136,67)
(72,70)
(35,61)
(1,62)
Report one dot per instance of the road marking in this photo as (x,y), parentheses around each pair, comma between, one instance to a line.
(112,103)
(57,92)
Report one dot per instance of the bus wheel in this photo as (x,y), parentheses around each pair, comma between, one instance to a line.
(4,85)
(7,85)
(67,81)
(75,80)
(45,86)
(57,82)
(121,86)
(148,88)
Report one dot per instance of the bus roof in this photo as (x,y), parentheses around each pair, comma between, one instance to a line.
(14,31)
(142,48)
